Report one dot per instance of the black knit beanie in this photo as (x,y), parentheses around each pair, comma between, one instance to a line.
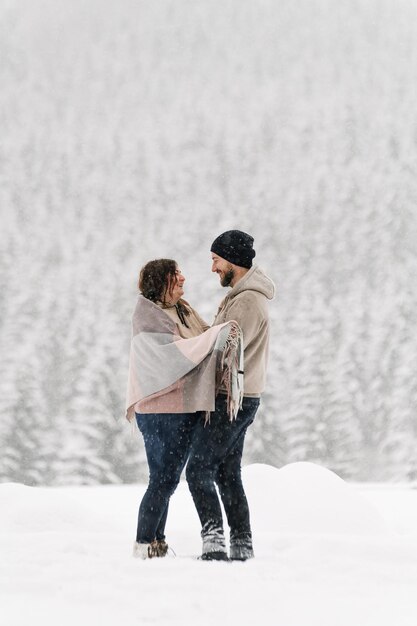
(236,247)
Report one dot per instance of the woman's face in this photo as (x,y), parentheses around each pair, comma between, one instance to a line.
(175,289)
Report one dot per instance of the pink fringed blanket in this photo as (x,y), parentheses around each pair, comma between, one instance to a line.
(168,374)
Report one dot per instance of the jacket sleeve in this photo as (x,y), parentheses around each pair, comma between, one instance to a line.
(245,310)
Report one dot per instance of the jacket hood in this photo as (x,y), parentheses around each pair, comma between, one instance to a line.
(254,280)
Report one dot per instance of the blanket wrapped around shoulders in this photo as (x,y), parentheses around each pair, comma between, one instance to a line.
(168,374)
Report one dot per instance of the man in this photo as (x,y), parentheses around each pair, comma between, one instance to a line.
(217,447)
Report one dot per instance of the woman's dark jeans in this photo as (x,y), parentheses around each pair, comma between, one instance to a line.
(167,438)
(215,457)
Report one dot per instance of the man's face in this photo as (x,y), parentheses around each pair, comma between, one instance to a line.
(223,268)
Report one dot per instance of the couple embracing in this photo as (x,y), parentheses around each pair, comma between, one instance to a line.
(194,390)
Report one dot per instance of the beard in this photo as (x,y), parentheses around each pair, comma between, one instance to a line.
(227,278)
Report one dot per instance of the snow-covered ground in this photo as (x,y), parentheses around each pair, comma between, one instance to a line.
(327,554)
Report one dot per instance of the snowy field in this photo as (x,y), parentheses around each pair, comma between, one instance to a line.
(327,554)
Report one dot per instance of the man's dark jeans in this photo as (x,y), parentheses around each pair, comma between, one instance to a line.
(215,457)
(167,438)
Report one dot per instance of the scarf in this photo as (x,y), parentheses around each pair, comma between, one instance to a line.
(168,374)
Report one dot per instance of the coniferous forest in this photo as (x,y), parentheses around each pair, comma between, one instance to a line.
(135,130)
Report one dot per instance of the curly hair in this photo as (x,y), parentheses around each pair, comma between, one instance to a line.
(156,279)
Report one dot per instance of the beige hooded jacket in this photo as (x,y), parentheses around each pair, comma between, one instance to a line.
(247,303)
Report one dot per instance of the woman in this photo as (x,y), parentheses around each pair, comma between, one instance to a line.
(173,375)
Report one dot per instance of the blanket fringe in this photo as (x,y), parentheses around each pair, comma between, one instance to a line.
(231,370)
